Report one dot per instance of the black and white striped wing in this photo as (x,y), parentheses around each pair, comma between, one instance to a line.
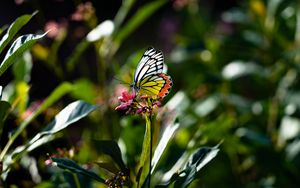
(151,63)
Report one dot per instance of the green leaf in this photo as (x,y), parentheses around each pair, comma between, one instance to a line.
(164,140)
(197,160)
(84,90)
(22,68)
(19,46)
(141,15)
(143,167)
(187,167)
(289,129)
(54,96)
(112,149)
(14,28)
(72,166)
(207,105)
(70,114)
(122,12)
(238,69)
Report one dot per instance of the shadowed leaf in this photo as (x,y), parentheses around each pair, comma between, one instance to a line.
(4,107)
(70,165)
(112,149)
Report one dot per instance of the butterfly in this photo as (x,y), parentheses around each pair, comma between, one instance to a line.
(149,78)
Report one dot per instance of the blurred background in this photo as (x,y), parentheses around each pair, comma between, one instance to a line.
(235,67)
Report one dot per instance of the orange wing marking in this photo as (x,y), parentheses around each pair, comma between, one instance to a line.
(167,86)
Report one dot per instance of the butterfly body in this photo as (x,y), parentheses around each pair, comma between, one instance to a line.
(148,77)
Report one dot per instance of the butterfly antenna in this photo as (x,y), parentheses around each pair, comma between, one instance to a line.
(121,81)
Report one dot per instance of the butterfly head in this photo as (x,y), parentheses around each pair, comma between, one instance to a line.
(134,87)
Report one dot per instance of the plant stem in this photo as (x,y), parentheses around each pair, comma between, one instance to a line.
(77,183)
(149,122)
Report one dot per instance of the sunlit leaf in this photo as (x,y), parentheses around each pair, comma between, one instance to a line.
(208,105)
(143,167)
(237,69)
(45,139)
(163,142)
(14,28)
(289,129)
(293,150)
(19,46)
(31,164)
(291,97)
(196,161)
(185,174)
(22,89)
(122,12)
(102,30)
(54,96)
(188,166)
(178,102)
(72,166)
(70,114)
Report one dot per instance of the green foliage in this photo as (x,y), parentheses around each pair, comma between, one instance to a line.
(236,82)
(13,29)
(70,114)
(19,46)
(68,164)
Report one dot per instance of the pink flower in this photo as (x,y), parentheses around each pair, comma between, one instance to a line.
(142,110)
(83,12)
(33,106)
(126,97)
(55,28)
(127,100)
(135,104)
(48,162)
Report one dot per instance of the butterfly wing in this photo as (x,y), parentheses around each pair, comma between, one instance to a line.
(158,85)
(150,64)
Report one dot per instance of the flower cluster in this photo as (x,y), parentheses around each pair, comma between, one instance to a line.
(56,29)
(83,12)
(134,104)
(119,180)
